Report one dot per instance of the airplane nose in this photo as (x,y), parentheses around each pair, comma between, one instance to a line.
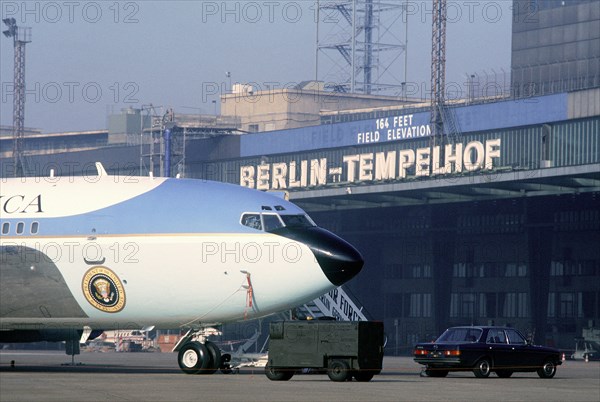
(338,259)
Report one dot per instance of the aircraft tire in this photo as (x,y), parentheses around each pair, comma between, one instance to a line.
(215,358)
(225,365)
(193,358)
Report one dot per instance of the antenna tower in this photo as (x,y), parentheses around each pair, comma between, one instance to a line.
(359,45)
(21,36)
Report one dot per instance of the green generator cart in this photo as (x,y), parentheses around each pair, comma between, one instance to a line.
(343,349)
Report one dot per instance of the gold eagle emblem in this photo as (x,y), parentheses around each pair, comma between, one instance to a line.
(103,289)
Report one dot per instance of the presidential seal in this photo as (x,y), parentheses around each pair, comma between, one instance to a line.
(103,289)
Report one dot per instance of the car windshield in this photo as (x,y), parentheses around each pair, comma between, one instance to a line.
(460,335)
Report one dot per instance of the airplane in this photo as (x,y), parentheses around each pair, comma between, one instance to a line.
(114,252)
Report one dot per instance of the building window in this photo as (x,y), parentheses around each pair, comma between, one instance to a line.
(587,304)
(462,305)
(459,270)
(420,305)
(556,268)
(487,305)
(427,305)
(514,305)
(415,305)
(253,128)
(454,305)
(468,305)
(551,305)
(487,270)
(566,305)
(522,305)
(515,269)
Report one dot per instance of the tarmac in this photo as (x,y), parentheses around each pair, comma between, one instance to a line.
(48,376)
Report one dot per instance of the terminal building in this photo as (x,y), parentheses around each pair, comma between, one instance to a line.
(498,225)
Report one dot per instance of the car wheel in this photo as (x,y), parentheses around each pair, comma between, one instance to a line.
(436,373)
(548,370)
(504,373)
(483,368)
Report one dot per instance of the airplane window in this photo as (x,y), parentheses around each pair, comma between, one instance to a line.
(296,221)
(252,221)
(20,227)
(5,227)
(34,227)
(271,222)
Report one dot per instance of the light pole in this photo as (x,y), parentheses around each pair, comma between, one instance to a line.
(21,36)
(228,75)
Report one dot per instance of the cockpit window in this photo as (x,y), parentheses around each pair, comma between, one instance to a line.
(252,221)
(272,222)
(296,221)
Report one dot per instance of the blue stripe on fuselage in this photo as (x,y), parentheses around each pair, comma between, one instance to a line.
(175,206)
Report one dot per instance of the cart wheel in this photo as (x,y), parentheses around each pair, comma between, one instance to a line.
(363,376)
(338,370)
(274,374)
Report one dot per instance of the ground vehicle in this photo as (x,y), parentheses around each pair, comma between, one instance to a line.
(345,349)
(585,350)
(483,350)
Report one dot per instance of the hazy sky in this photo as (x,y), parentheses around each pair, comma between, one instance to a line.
(89,58)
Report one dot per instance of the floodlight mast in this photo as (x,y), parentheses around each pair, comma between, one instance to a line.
(21,36)
(438,70)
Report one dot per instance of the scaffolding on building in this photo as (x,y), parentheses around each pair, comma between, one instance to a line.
(164,135)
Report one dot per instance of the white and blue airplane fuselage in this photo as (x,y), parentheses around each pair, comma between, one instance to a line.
(109,251)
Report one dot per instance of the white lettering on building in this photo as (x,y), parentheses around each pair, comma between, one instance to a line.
(373,166)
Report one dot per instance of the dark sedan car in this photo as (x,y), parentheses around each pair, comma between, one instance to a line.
(483,350)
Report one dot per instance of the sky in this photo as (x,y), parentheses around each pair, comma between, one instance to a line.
(88,59)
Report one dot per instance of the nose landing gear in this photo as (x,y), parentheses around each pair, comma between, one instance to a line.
(197,355)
